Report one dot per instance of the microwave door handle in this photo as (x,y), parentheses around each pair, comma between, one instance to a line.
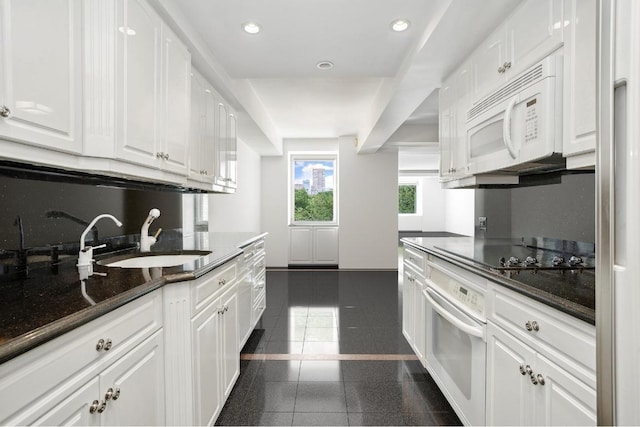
(506,128)
(475,331)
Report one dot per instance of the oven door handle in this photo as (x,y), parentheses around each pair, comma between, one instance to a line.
(476,331)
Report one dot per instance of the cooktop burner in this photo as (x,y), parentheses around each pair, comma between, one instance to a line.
(532,254)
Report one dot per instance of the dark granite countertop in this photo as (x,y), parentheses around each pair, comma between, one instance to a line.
(49,299)
(570,292)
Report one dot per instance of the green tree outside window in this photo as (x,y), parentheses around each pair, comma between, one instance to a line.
(407,199)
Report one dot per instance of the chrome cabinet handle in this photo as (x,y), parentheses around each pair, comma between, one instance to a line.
(534,380)
(507,65)
(100,345)
(532,326)
(222,282)
(108,344)
(102,407)
(166,156)
(159,155)
(94,407)
(5,111)
(540,379)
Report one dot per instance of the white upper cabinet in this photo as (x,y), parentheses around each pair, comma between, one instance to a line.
(175,95)
(138,83)
(579,89)
(40,74)
(153,79)
(532,32)
(204,102)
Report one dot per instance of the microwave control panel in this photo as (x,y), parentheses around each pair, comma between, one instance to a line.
(531,121)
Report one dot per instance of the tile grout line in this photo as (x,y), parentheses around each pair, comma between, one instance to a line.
(287,356)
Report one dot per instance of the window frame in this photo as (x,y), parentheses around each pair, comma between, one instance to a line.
(311,156)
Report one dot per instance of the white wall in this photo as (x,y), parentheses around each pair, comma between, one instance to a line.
(431,214)
(368,203)
(239,211)
(274,196)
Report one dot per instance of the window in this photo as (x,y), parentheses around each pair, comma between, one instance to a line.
(407,198)
(313,188)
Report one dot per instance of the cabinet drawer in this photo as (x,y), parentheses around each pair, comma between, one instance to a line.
(259,266)
(415,259)
(73,357)
(259,287)
(545,328)
(259,247)
(205,288)
(258,308)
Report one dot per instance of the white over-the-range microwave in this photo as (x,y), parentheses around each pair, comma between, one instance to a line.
(518,127)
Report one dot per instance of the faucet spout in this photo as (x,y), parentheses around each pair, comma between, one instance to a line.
(92,223)
(85,256)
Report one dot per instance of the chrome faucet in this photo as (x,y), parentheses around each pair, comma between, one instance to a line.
(85,256)
(145,240)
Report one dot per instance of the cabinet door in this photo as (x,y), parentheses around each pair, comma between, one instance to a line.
(176,79)
(196,127)
(229,340)
(488,61)
(245,305)
(221,144)
(562,400)
(419,327)
(75,410)
(458,122)
(209,136)
(300,245)
(509,392)
(138,83)
(137,379)
(445,121)
(206,364)
(40,77)
(533,32)
(580,79)
(232,151)
(325,245)
(408,318)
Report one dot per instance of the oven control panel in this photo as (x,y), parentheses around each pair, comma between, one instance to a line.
(457,290)
(468,297)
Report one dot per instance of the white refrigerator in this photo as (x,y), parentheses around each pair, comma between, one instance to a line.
(618,213)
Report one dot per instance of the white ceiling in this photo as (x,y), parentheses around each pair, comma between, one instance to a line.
(381,80)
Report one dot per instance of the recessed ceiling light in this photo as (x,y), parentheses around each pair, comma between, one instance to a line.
(400,25)
(325,65)
(251,28)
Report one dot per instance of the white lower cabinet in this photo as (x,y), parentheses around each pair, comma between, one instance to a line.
(540,364)
(101,373)
(202,359)
(313,245)
(413,301)
(526,388)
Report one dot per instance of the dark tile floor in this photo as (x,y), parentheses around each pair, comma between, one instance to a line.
(329,350)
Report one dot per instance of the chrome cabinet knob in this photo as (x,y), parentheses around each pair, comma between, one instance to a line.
(100,345)
(5,111)
(94,407)
(532,326)
(222,282)
(534,380)
(108,344)
(540,379)
(166,156)
(112,394)
(102,407)
(525,370)
(507,65)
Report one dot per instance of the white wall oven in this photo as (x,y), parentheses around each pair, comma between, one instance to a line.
(518,127)
(456,340)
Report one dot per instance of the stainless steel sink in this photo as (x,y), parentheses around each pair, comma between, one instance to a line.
(153,259)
